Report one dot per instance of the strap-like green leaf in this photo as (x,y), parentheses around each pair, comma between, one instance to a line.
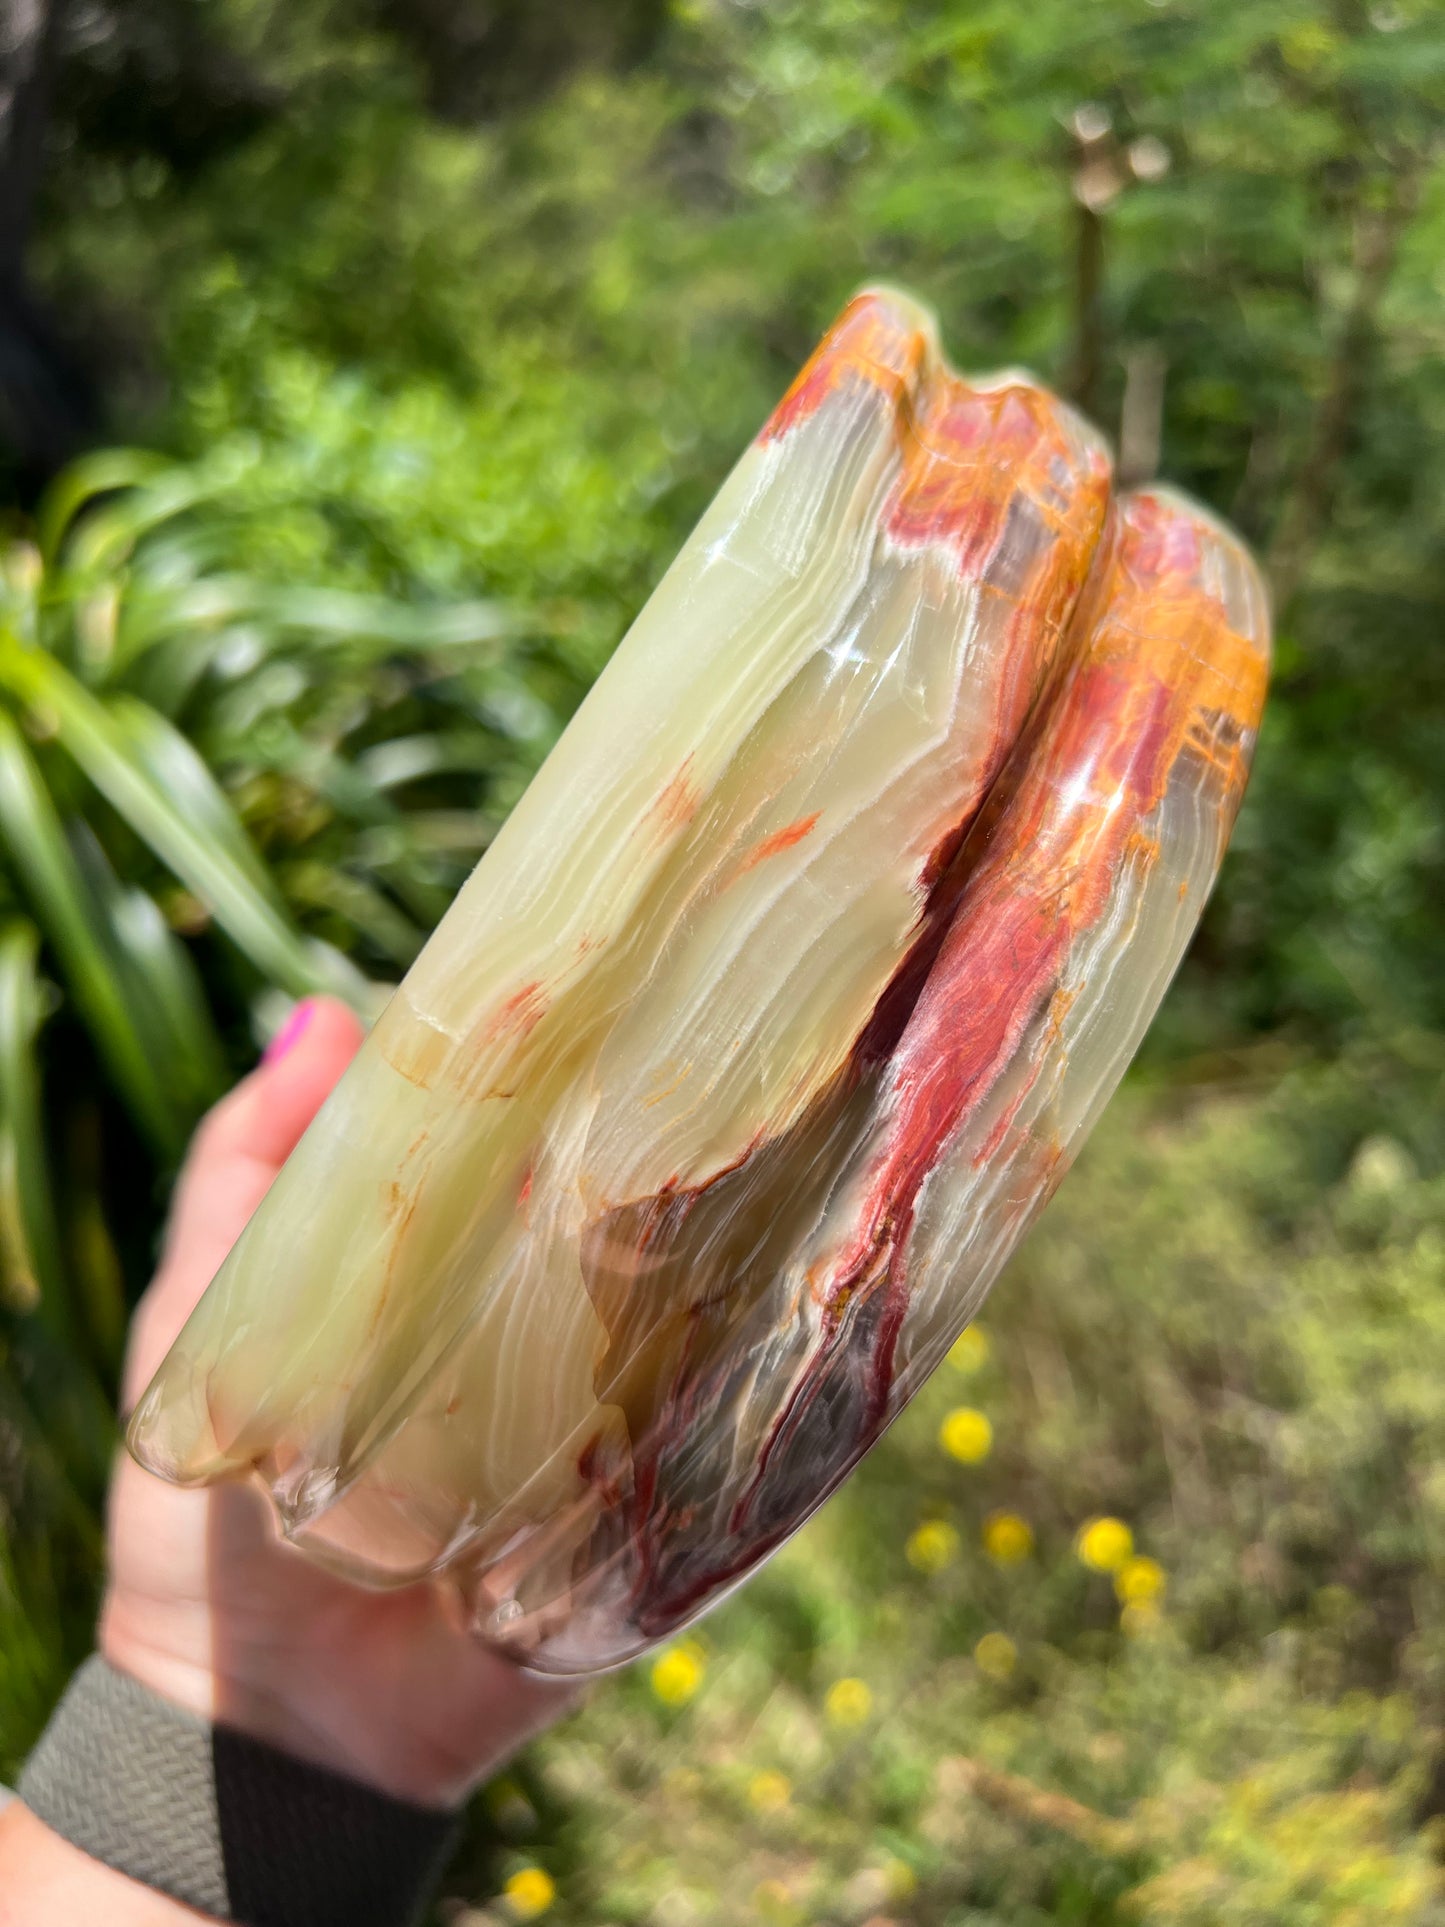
(91,734)
(27,1205)
(176,769)
(367,625)
(91,1257)
(372,621)
(98,474)
(32,834)
(160,983)
(363,906)
(405,759)
(106,538)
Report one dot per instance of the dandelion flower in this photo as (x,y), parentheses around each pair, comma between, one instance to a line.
(1104,1545)
(773,1899)
(996,1655)
(970,1351)
(1140,1618)
(934,1545)
(529,1892)
(966,1435)
(1140,1581)
(1007,1539)
(848,1702)
(769,1792)
(902,1880)
(678,1673)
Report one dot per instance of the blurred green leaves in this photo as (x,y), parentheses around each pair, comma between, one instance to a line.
(120,840)
(158,899)
(522,351)
(29,1232)
(1227,1334)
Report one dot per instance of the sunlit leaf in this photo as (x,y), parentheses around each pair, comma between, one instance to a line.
(182,775)
(27,1205)
(161,984)
(94,475)
(366,908)
(406,759)
(101,747)
(31,833)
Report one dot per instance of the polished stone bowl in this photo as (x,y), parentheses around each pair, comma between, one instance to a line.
(762,1032)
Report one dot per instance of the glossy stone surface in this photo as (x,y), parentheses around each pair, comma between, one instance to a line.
(758,1038)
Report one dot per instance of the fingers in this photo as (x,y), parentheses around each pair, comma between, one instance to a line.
(264,1117)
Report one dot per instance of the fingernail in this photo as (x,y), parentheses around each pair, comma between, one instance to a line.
(290,1033)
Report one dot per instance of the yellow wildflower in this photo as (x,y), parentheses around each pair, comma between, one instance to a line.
(932,1546)
(678,1673)
(1140,1581)
(966,1435)
(1104,1544)
(848,1702)
(769,1792)
(1007,1539)
(902,1880)
(774,1900)
(1140,1618)
(996,1655)
(530,1892)
(970,1350)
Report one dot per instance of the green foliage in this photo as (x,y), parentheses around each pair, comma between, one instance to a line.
(1227,1334)
(520,353)
(123,647)
(215,792)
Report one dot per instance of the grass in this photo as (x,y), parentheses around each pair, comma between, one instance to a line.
(1162,1641)
(1219,1706)
(1135,1615)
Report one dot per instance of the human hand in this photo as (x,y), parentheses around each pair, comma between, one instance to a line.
(207,1606)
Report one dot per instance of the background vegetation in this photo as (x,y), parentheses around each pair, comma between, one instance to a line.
(439,323)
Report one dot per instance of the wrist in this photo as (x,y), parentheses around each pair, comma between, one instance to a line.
(219,1822)
(384,1709)
(44,1880)
(325,1722)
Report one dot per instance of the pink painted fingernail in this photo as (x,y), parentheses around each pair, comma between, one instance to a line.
(290,1033)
